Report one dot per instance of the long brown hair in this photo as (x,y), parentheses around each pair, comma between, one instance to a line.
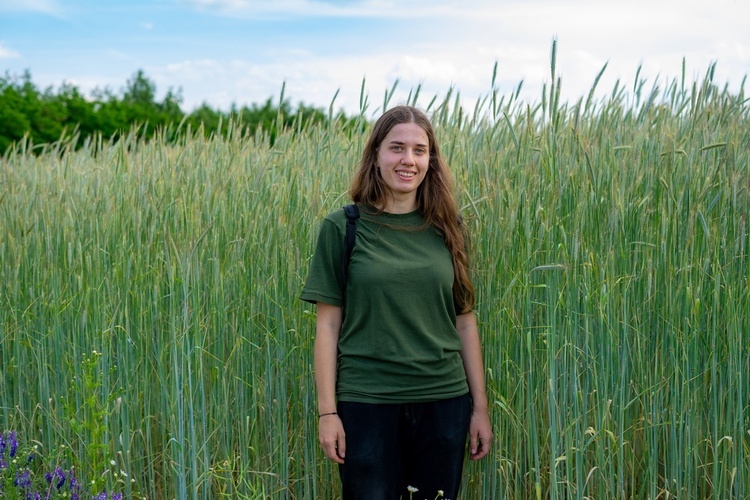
(435,197)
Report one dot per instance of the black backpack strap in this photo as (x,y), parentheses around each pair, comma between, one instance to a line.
(352,214)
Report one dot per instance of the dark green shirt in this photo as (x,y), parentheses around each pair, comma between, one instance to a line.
(398,342)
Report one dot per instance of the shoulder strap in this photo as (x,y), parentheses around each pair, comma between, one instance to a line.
(352,214)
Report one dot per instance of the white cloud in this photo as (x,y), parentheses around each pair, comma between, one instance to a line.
(7,53)
(315,79)
(445,45)
(465,67)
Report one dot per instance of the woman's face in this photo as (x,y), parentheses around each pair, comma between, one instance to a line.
(403,159)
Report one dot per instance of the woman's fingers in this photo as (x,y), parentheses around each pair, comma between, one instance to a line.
(332,438)
(480,435)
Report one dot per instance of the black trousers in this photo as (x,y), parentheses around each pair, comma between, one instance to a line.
(392,449)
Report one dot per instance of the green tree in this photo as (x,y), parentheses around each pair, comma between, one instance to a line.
(47,116)
(140,97)
(80,113)
(14,123)
(209,118)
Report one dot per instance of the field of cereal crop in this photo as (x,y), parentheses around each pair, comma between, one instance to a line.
(149,314)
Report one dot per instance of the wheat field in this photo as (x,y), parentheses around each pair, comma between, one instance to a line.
(149,312)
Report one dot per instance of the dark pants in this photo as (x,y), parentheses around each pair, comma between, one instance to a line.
(390,447)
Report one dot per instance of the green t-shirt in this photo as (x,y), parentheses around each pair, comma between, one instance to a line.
(398,342)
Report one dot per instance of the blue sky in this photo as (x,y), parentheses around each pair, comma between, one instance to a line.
(226,52)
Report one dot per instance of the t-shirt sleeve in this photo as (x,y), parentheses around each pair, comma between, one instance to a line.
(325,277)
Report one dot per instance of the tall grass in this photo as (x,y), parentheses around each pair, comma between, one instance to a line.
(610,243)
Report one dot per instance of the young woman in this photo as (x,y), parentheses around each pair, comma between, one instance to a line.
(398,363)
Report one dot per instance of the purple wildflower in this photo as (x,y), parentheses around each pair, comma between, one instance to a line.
(100,496)
(57,477)
(60,475)
(74,486)
(12,439)
(23,479)
(2,445)
(117,496)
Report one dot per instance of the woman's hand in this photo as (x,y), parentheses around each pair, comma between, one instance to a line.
(332,437)
(480,435)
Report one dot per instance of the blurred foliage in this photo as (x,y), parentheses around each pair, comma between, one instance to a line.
(43,117)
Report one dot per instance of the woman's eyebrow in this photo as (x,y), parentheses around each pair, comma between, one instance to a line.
(401,143)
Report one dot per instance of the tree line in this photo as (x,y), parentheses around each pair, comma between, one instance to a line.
(49,115)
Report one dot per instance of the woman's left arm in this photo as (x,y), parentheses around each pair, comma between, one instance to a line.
(480,429)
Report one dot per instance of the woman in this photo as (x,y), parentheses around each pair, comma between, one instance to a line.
(398,369)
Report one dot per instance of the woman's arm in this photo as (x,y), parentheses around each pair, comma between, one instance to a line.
(480,429)
(330,429)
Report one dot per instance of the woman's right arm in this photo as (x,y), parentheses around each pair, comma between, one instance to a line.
(330,429)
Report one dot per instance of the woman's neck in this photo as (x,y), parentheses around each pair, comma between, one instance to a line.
(397,205)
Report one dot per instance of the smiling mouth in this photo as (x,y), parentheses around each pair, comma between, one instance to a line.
(406,175)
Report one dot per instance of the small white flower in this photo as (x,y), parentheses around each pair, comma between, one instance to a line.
(441,493)
(112,462)
(122,472)
(412,489)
